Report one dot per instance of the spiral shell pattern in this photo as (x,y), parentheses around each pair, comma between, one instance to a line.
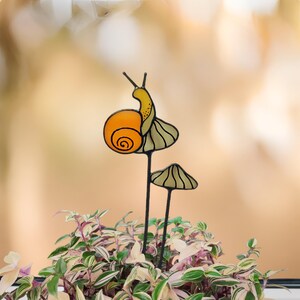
(122,131)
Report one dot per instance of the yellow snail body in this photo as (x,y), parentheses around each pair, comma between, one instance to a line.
(124,130)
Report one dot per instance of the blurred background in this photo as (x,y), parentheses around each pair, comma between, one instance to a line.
(225,73)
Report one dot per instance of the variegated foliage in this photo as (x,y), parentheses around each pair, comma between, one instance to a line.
(99,262)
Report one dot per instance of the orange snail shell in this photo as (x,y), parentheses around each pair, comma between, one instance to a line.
(122,131)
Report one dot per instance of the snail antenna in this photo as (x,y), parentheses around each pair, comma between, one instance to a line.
(144,81)
(132,82)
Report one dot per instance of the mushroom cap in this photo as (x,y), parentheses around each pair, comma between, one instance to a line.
(160,136)
(174,177)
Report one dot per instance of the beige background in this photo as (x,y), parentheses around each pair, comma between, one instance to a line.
(226,73)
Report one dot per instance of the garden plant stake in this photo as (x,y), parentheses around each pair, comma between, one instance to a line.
(171,178)
(131,131)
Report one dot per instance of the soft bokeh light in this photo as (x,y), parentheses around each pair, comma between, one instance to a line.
(118,47)
(264,7)
(224,72)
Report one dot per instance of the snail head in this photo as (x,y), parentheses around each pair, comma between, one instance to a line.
(138,92)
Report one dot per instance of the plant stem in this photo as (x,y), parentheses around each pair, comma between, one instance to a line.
(149,156)
(165,228)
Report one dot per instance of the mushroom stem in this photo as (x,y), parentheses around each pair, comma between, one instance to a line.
(149,156)
(165,229)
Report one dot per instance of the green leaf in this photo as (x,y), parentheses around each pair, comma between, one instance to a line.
(122,255)
(220,267)
(102,252)
(88,258)
(150,237)
(123,219)
(178,229)
(167,254)
(34,294)
(98,266)
(176,221)
(52,285)
(250,296)
(87,254)
(25,285)
(247,263)
(47,271)
(104,278)
(237,293)
(100,296)
(121,296)
(142,296)
(208,236)
(198,296)
(80,245)
(158,290)
(255,252)
(193,274)
(141,287)
(212,273)
(130,278)
(271,273)
(60,267)
(78,268)
(58,251)
(62,238)
(103,213)
(79,294)
(202,226)
(161,226)
(252,243)
(81,282)
(241,256)
(152,222)
(73,241)
(215,250)
(258,290)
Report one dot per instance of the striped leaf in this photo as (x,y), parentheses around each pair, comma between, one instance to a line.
(102,252)
(238,293)
(252,243)
(141,287)
(25,285)
(193,274)
(121,296)
(225,282)
(158,291)
(100,296)
(141,296)
(247,263)
(79,294)
(212,273)
(78,267)
(97,267)
(198,296)
(130,278)
(104,278)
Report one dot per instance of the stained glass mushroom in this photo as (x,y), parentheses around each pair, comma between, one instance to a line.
(171,178)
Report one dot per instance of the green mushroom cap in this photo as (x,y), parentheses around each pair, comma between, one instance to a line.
(174,178)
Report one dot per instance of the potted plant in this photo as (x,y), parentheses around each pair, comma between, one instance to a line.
(160,259)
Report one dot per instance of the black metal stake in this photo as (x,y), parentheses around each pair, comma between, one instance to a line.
(149,156)
(165,229)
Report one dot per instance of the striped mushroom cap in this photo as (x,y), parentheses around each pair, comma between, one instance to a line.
(174,178)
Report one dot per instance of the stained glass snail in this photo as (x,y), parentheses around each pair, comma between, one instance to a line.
(124,129)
